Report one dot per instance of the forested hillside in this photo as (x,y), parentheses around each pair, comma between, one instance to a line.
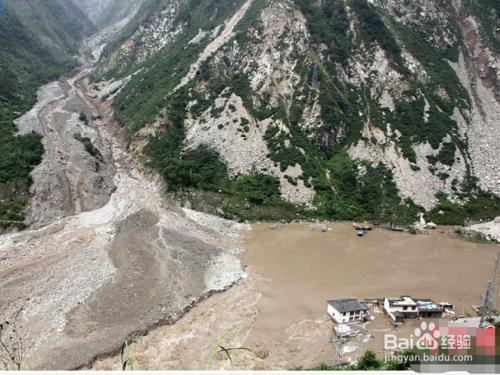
(106,12)
(38,42)
(339,109)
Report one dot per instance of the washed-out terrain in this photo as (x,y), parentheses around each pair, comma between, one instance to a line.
(105,257)
(279,311)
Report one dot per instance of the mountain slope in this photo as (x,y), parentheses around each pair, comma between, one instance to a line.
(341,108)
(38,40)
(106,12)
(59,24)
(37,47)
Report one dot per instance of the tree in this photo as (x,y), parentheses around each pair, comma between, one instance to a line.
(369,361)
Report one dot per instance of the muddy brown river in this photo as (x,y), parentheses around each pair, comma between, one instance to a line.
(303,267)
(279,310)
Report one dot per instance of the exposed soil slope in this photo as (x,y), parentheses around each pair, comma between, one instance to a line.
(105,259)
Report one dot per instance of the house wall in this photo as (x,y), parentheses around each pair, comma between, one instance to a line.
(339,317)
(390,310)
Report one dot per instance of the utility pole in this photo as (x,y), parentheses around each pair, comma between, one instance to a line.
(488,298)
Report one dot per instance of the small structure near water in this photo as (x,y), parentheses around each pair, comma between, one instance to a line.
(400,308)
(362,228)
(427,308)
(405,307)
(397,227)
(347,310)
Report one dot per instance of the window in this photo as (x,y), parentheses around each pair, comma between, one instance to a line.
(343,314)
(405,308)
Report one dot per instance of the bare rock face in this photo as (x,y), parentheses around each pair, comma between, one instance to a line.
(491,229)
(391,82)
(118,261)
(289,89)
(431,18)
(478,69)
(147,39)
(105,258)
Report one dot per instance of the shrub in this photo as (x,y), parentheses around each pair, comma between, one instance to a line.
(87,144)
(83,118)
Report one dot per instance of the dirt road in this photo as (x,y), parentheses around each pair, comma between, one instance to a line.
(105,259)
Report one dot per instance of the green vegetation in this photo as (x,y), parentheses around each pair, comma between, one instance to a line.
(25,62)
(143,14)
(488,13)
(250,20)
(18,156)
(347,194)
(447,154)
(363,192)
(125,359)
(370,362)
(83,118)
(408,119)
(33,51)
(114,11)
(147,93)
(345,189)
(373,30)
(87,144)
(441,74)
(202,169)
(479,205)
(59,25)
(256,196)
(328,24)
(473,237)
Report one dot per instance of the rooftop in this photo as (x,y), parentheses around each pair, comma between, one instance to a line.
(427,305)
(347,305)
(401,301)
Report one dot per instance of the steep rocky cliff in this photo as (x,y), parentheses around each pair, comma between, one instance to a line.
(335,108)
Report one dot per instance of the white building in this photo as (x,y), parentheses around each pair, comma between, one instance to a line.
(347,310)
(400,308)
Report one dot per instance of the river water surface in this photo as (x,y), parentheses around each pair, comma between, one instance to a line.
(303,267)
(279,310)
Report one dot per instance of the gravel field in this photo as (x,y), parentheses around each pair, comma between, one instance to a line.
(104,259)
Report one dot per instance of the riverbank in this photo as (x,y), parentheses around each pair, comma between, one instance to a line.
(304,267)
(279,310)
(105,258)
